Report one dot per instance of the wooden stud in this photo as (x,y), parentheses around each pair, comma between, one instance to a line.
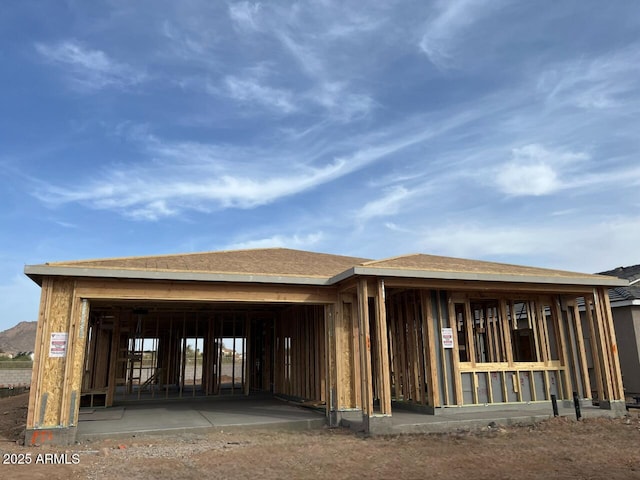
(330,314)
(404,352)
(455,353)
(613,345)
(564,357)
(421,349)
(412,348)
(602,347)
(532,387)
(516,383)
(115,342)
(489,387)
(531,315)
(433,388)
(506,333)
(443,356)
(582,355)
(503,378)
(383,352)
(365,352)
(470,324)
(356,365)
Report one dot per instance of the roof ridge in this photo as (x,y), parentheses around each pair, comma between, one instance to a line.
(372,262)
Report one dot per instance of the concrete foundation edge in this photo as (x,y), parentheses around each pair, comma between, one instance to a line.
(50,436)
(618,407)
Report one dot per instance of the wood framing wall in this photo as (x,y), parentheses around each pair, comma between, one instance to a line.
(506,346)
(357,347)
(290,343)
(300,362)
(57,374)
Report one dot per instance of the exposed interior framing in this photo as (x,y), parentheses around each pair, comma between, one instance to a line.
(360,343)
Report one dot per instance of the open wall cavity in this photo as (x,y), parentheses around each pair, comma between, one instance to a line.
(449,348)
(161,351)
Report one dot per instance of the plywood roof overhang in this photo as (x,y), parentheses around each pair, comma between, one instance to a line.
(286,266)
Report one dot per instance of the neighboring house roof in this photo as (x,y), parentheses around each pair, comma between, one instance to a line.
(287,266)
(622,295)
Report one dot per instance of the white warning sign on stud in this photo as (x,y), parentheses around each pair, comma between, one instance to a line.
(58,344)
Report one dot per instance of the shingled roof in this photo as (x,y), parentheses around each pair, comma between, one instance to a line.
(262,261)
(436,263)
(631,292)
(287,266)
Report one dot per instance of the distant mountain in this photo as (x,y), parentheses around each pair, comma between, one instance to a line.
(21,338)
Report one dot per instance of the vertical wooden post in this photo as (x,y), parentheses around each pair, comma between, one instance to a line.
(382,344)
(564,357)
(613,345)
(443,356)
(506,332)
(247,357)
(455,353)
(74,364)
(582,355)
(594,348)
(330,357)
(602,347)
(365,348)
(433,388)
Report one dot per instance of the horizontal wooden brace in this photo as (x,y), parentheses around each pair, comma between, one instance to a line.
(204,292)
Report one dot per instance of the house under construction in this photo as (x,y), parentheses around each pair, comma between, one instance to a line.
(356,337)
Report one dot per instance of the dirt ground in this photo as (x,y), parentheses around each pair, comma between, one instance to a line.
(556,449)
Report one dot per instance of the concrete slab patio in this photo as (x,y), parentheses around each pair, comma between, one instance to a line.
(206,414)
(197,415)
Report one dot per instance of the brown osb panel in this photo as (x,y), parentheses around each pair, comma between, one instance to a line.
(345,357)
(269,261)
(52,381)
(459,265)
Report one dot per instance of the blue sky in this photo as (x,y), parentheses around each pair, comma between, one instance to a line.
(497,130)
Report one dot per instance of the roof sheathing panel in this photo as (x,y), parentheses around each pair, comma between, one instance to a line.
(434,263)
(260,262)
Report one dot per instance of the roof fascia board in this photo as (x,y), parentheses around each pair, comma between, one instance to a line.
(47,270)
(625,303)
(488,277)
(342,276)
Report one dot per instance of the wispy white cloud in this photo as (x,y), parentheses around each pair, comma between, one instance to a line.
(602,82)
(89,69)
(297,31)
(534,170)
(343,104)
(447,24)
(245,15)
(151,195)
(198,176)
(251,91)
(387,205)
